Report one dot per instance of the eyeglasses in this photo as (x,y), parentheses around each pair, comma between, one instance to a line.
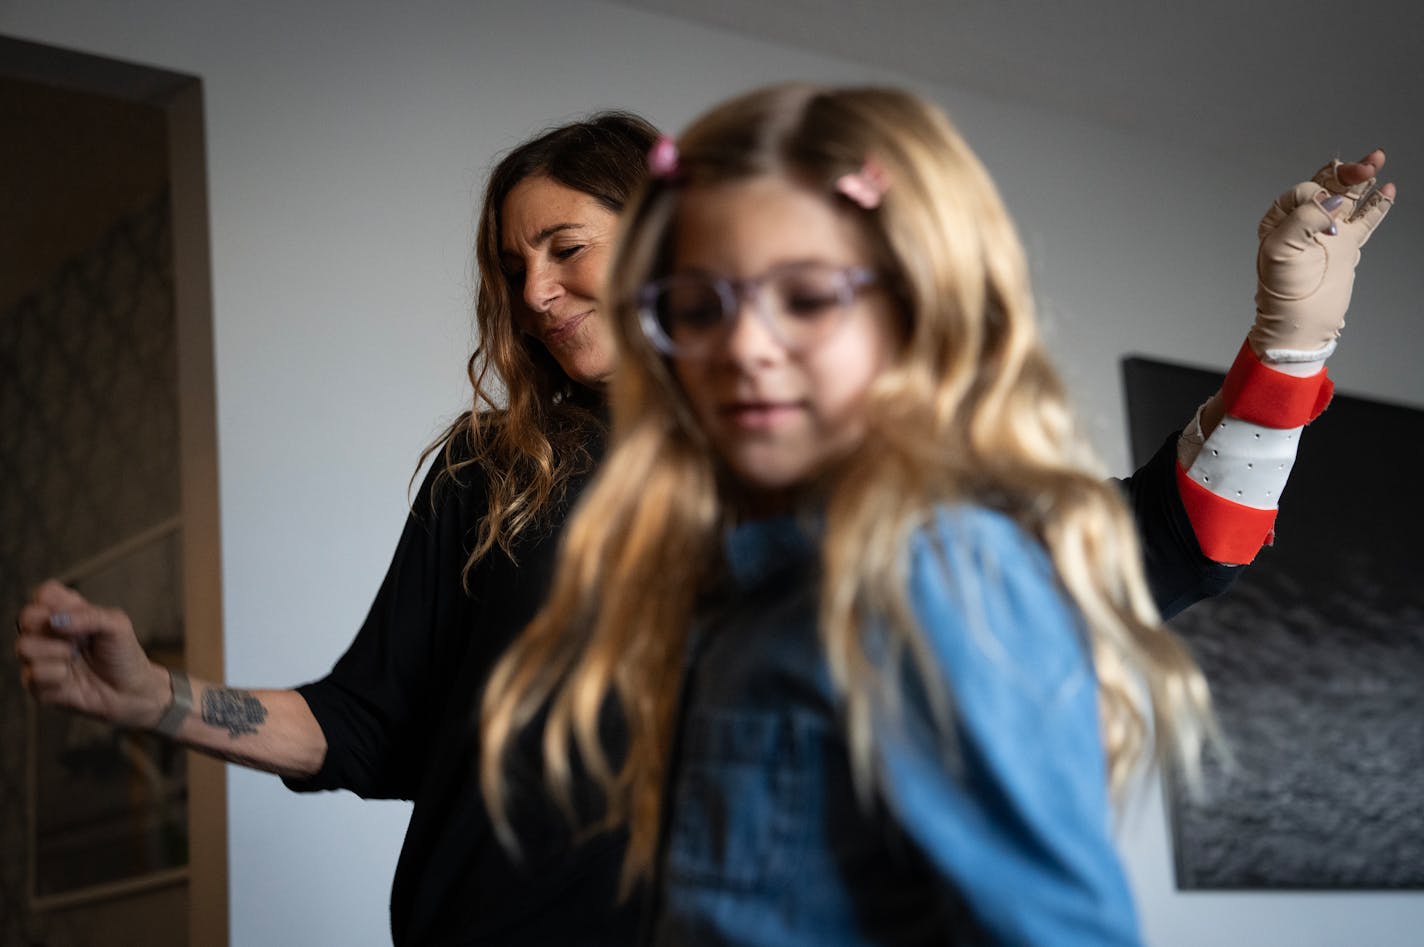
(801,305)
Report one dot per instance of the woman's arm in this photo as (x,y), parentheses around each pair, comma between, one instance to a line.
(1200,508)
(1178,574)
(1236,455)
(85,658)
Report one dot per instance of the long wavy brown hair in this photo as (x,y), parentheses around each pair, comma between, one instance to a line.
(969,411)
(527,431)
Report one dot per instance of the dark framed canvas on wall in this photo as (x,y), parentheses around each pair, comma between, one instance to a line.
(1315,660)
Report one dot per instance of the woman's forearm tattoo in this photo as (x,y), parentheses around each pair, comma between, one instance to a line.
(236,711)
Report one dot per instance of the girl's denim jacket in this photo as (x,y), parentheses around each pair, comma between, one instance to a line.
(996,832)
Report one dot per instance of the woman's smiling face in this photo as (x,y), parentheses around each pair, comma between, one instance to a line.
(555,243)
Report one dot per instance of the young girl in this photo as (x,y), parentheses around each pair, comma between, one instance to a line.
(848,508)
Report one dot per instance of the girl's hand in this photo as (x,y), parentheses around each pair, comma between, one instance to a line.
(1310,243)
(82,657)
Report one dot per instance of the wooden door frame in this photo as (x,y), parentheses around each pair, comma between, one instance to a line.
(180,98)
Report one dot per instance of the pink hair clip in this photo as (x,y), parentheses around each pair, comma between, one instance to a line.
(867,186)
(662,159)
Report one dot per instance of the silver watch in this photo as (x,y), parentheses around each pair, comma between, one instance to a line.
(179,708)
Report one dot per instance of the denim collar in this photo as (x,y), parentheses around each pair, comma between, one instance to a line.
(757,549)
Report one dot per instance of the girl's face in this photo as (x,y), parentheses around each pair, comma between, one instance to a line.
(555,245)
(777,415)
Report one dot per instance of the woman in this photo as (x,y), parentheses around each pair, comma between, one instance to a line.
(396,716)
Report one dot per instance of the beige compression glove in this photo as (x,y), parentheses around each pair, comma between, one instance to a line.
(1310,244)
(1235,456)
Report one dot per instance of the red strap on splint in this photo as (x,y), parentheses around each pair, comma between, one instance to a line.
(1257,393)
(1226,531)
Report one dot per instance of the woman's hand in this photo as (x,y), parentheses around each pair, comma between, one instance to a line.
(83,657)
(1310,243)
(1231,476)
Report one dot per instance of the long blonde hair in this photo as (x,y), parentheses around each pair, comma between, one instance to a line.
(529,424)
(970,411)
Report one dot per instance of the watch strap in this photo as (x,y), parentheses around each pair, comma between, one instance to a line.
(181,705)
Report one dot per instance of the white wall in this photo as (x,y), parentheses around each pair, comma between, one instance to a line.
(347,144)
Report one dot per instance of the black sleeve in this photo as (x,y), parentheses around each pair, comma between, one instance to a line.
(380,706)
(1178,574)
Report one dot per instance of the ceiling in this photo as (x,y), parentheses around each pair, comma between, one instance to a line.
(1226,78)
